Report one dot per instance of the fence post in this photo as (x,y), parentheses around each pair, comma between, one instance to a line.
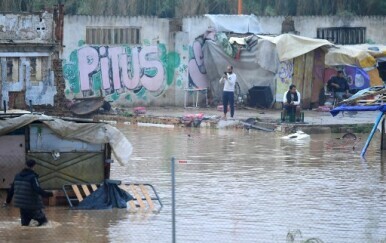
(173,201)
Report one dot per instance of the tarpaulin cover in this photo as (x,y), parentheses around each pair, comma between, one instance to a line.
(240,24)
(254,67)
(357,77)
(107,196)
(363,56)
(342,108)
(290,46)
(96,133)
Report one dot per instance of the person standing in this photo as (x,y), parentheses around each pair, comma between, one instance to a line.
(229,78)
(291,102)
(28,195)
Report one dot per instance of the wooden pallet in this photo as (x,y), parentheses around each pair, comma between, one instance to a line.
(144,194)
(378,101)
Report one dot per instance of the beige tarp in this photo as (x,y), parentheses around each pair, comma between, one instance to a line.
(97,133)
(356,55)
(290,46)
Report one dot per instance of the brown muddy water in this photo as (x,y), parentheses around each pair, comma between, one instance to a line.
(237,186)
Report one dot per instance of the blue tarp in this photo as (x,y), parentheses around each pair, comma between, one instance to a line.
(342,108)
(107,196)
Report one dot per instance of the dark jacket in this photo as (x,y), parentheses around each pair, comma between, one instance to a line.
(342,82)
(27,191)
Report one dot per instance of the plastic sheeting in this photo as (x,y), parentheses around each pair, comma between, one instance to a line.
(357,78)
(107,196)
(97,133)
(254,67)
(241,24)
(342,108)
(363,56)
(290,46)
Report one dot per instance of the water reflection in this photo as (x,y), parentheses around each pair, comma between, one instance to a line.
(238,186)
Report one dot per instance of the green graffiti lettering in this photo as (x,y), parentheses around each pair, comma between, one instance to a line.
(150,72)
(163,56)
(191,53)
(172,64)
(97,81)
(146,42)
(81,43)
(179,82)
(170,61)
(141,94)
(71,72)
(115,96)
(128,50)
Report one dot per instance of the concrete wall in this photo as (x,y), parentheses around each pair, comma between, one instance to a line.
(38,28)
(306,25)
(375,25)
(156,71)
(138,74)
(26,47)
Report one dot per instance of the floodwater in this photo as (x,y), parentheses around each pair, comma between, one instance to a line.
(233,186)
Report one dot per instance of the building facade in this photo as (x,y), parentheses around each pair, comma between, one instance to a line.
(27,50)
(135,61)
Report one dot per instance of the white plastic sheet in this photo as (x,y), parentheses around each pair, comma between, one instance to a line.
(240,24)
(97,133)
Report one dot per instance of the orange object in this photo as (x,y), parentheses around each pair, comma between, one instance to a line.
(240,7)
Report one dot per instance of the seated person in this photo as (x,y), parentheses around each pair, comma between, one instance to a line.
(339,86)
(291,102)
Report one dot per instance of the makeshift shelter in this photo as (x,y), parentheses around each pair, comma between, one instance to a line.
(256,65)
(362,56)
(272,63)
(65,151)
(266,63)
(301,63)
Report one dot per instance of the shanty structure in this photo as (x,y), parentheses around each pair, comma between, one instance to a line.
(66,152)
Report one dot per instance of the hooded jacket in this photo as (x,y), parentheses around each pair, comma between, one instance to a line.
(27,191)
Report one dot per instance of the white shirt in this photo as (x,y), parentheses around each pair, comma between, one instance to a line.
(295,102)
(230,82)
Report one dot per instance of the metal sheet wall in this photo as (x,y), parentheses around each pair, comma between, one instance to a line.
(69,168)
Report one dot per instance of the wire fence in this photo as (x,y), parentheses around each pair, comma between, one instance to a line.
(197,208)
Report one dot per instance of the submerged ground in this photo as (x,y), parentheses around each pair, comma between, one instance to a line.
(237,186)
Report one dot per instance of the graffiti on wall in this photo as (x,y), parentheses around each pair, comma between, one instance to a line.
(197,70)
(114,70)
(196,66)
(284,78)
